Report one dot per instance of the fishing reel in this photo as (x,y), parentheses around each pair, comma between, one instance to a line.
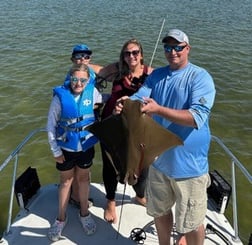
(138,235)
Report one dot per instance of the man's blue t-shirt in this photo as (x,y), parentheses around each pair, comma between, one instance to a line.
(189,88)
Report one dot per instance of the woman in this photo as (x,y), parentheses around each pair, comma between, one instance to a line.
(70,111)
(127,75)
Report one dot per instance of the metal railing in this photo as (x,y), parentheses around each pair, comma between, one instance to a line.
(237,163)
(14,155)
(234,162)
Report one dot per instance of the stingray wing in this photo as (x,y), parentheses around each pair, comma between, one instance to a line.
(113,134)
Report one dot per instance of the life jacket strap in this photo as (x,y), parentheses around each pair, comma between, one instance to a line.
(75,120)
(79,129)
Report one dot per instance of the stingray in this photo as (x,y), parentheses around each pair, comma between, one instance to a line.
(133,140)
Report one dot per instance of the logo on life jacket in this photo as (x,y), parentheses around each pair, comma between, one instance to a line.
(86,102)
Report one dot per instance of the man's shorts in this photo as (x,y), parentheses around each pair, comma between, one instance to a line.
(81,159)
(190,196)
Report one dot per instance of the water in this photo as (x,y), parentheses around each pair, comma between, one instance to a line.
(37,38)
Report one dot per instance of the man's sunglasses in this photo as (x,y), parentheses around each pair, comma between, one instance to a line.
(177,48)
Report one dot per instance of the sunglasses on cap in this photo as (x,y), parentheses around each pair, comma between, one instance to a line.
(79,56)
(134,53)
(176,48)
(74,80)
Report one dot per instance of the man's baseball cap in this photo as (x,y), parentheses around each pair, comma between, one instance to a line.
(177,34)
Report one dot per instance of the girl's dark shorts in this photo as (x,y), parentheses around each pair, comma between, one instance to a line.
(81,159)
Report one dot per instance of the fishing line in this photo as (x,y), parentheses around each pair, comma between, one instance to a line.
(154,52)
(120,216)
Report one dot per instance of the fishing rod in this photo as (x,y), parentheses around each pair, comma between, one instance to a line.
(154,52)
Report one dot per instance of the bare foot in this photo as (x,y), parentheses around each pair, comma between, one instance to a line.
(110,212)
(141,201)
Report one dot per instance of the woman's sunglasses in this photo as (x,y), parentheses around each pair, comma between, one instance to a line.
(135,53)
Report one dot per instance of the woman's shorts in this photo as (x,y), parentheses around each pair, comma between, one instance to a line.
(81,159)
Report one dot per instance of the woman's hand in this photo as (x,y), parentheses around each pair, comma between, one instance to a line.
(119,105)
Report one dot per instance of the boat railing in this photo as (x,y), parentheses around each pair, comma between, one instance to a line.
(234,162)
(15,155)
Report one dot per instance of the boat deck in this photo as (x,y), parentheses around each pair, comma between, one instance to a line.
(31,225)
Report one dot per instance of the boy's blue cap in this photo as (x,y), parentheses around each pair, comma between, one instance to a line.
(81,48)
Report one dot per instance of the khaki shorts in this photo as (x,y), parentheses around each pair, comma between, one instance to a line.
(189,194)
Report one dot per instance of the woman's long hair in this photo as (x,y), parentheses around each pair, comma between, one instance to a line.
(123,68)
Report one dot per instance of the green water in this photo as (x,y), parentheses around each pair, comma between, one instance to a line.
(36,41)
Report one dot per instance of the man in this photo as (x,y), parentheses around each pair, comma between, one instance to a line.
(182,95)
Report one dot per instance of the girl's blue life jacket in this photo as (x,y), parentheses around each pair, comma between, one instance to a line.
(75,117)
